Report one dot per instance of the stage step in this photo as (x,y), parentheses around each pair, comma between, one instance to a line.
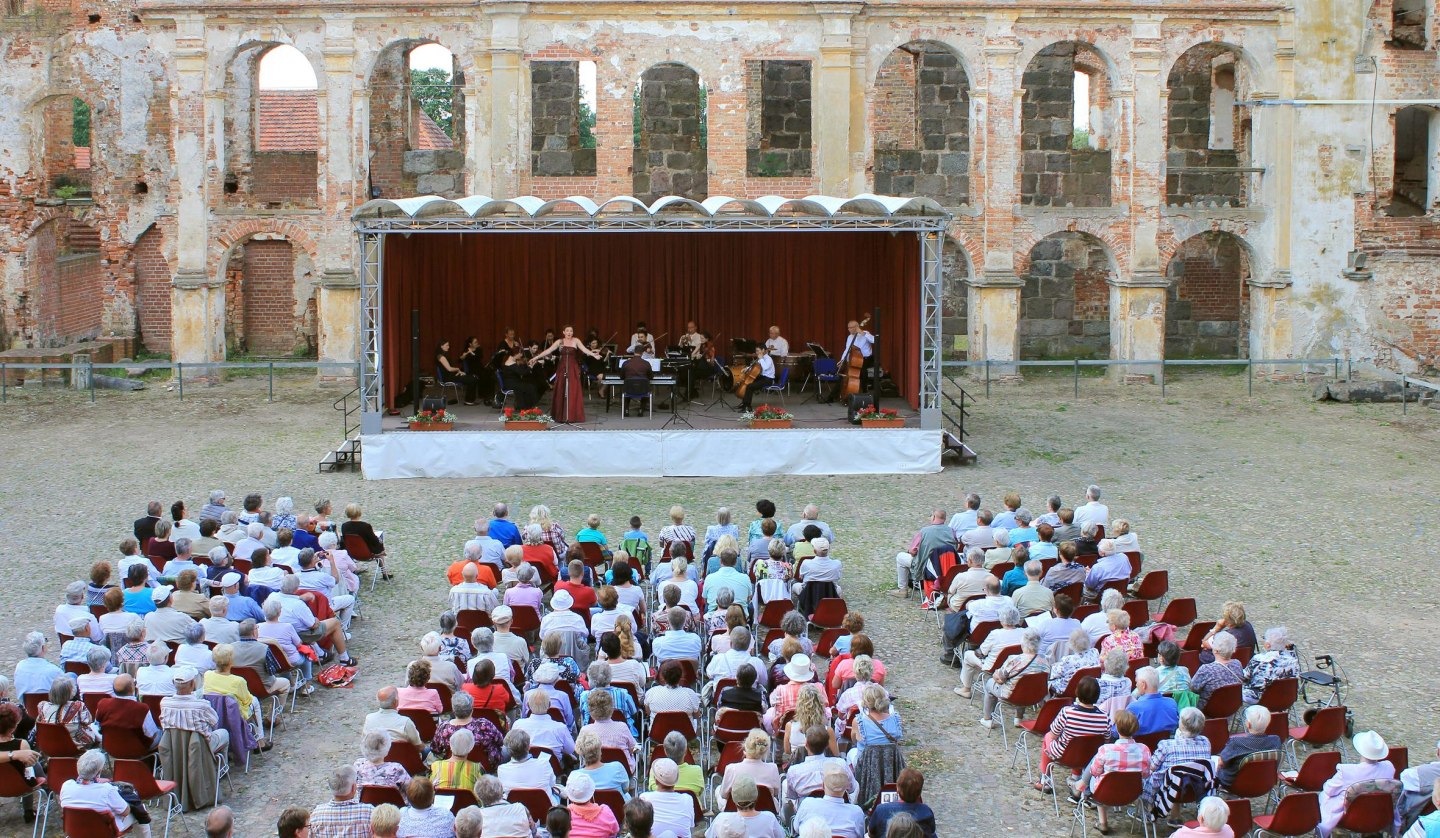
(951,444)
(346,456)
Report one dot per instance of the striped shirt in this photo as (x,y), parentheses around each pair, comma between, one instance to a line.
(187,712)
(341,819)
(1077,720)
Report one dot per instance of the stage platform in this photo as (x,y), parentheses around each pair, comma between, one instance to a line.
(715,444)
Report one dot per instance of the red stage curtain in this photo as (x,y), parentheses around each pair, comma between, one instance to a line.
(731,284)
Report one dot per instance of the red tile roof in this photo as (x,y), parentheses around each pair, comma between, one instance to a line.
(289,121)
(82,157)
(429,136)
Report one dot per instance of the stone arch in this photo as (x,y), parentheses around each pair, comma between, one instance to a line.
(153,291)
(1062,165)
(410,152)
(1207,303)
(670,155)
(920,123)
(64,291)
(1206,133)
(1065,302)
(64,126)
(270,274)
(957,266)
(272,137)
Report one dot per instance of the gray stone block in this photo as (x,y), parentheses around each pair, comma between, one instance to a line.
(425,162)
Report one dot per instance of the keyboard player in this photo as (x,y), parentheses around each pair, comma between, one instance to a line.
(636,367)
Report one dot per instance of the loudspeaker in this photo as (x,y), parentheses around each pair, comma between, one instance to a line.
(858,402)
(432,403)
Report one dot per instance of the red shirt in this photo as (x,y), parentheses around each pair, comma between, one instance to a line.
(494,696)
(584,594)
(455,572)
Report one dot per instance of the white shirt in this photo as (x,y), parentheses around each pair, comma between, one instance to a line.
(864,340)
(294,611)
(473,596)
(821,569)
(689,592)
(631,596)
(533,773)
(963,522)
(767,369)
(726,664)
(128,561)
(547,733)
(797,530)
(156,680)
(1092,512)
(268,576)
(674,812)
(184,529)
(197,656)
(288,556)
(97,797)
(779,346)
(562,621)
(221,630)
(491,551)
(64,613)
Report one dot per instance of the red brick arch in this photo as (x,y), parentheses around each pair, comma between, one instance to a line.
(1113,243)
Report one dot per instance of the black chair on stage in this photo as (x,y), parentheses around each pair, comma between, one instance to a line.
(637,389)
(501,394)
(441,384)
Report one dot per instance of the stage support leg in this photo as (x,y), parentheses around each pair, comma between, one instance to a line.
(932,244)
(371,389)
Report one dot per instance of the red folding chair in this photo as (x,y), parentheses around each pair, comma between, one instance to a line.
(125,743)
(139,775)
(1190,659)
(825,647)
(1256,778)
(424,722)
(13,785)
(76,667)
(536,802)
(1369,813)
(1116,789)
(1083,611)
(1002,568)
(1224,702)
(408,756)
(1295,815)
(1138,611)
(764,801)
(444,692)
(613,800)
(375,795)
(1280,695)
(978,632)
(1400,758)
(591,554)
(661,725)
(460,798)
(1080,675)
(1196,635)
(829,613)
(1318,767)
(260,688)
(54,740)
(1327,727)
(1075,756)
(1075,590)
(1240,820)
(525,621)
(88,823)
(153,702)
(1155,585)
(1218,732)
(32,703)
(1029,690)
(92,701)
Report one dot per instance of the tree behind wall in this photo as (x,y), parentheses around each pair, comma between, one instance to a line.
(80,123)
(433,92)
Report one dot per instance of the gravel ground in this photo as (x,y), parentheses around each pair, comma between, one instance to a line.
(1291,506)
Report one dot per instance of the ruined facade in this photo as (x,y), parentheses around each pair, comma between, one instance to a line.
(1128,179)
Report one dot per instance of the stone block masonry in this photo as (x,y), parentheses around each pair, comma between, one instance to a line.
(778,110)
(1065,304)
(671,157)
(922,141)
(555,121)
(1053,173)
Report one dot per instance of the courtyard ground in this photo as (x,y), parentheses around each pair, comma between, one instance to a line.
(1320,517)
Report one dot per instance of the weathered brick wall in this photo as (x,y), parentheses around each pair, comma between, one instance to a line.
(779,142)
(284,177)
(934,93)
(555,121)
(1188,129)
(1052,173)
(670,159)
(1065,304)
(1206,304)
(66,289)
(268,297)
(152,291)
(388,125)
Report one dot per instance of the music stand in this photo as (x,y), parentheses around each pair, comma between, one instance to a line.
(675,417)
(818,350)
(719,390)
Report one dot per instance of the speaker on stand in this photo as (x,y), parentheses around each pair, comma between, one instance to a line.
(858,402)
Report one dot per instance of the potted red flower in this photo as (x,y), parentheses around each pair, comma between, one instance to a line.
(880,417)
(532,419)
(431,420)
(766,416)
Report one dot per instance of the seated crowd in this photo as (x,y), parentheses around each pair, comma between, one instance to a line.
(172,651)
(1051,615)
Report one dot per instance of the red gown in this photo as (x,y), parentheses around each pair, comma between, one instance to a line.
(567,403)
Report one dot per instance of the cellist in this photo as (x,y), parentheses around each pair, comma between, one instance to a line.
(765,379)
(858,338)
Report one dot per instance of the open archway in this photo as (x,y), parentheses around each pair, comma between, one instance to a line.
(66,148)
(417,121)
(1065,304)
(1207,135)
(270,307)
(670,137)
(272,127)
(1066,123)
(1207,307)
(920,124)
(64,295)
(153,291)
(1415,176)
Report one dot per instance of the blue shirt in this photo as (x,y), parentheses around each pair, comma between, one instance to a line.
(1005,520)
(727,577)
(1043,550)
(1024,536)
(305,541)
(674,645)
(1108,569)
(35,675)
(635,535)
(594,536)
(139,602)
(880,818)
(243,607)
(1013,581)
(841,818)
(1155,712)
(505,532)
(610,775)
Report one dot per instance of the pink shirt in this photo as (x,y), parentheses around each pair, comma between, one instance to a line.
(523,594)
(591,820)
(419,698)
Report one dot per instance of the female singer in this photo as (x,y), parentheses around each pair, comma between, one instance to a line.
(568,403)
(518,378)
(446,372)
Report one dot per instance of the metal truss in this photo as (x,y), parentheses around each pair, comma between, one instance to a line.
(932,245)
(372,248)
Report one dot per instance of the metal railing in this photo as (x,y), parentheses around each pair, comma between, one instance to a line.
(178,370)
(349,412)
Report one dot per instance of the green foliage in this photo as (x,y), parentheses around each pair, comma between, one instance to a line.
(433,92)
(1080,140)
(80,123)
(587,125)
(771,165)
(66,192)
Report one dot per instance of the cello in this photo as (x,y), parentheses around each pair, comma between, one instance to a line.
(847,382)
(747,377)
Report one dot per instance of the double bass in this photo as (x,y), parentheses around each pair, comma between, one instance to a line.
(847,381)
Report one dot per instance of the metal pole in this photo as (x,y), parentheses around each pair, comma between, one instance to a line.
(180,374)
(1077,378)
(1162,379)
(987,378)
(1349,371)
(271,396)
(1250,369)
(1337,369)
(90,371)
(1404,395)
(4,384)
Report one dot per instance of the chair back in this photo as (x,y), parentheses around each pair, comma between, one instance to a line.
(60,769)
(1029,690)
(981,630)
(637,388)
(1083,611)
(258,686)
(1224,701)
(1218,732)
(443,690)
(139,775)
(1153,740)
(460,799)
(1080,750)
(535,801)
(1040,725)
(824,366)
(1399,757)
(1080,675)
(92,701)
(12,784)
(999,570)
(1155,585)
(408,756)
(1373,811)
(618,756)
(76,667)
(661,724)
(88,823)
(54,740)
(424,722)
(613,800)
(1280,695)
(1076,592)
(525,618)
(1139,612)
(1003,655)
(1196,634)
(125,743)
(829,612)
(1256,777)
(1297,813)
(592,553)
(32,703)
(153,702)
(356,547)
(775,610)
(1117,788)
(1326,727)
(375,795)
(825,647)
(537,752)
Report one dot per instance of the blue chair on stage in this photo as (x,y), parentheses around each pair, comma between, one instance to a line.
(824,371)
(779,386)
(441,383)
(503,393)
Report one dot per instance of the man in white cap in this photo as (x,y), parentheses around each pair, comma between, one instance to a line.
(506,640)
(587,816)
(217,628)
(562,619)
(165,623)
(241,607)
(184,710)
(1373,765)
(546,674)
(544,731)
(472,594)
(821,568)
(74,608)
(840,818)
(674,811)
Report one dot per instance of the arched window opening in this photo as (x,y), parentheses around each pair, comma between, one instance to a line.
(1064,128)
(671,140)
(562,118)
(920,123)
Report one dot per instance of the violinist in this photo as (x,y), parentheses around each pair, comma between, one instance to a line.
(595,364)
(518,378)
(766,379)
(642,342)
(445,372)
(702,363)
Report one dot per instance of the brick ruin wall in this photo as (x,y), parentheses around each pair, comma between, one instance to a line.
(670,158)
(1188,136)
(920,123)
(1052,172)
(152,292)
(1207,303)
(1065,304)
